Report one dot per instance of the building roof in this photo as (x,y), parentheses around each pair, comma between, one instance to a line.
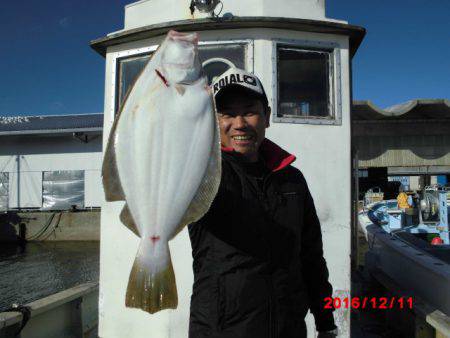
(421,109)
(50,124)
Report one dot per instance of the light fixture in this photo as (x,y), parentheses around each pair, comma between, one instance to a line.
(204,6)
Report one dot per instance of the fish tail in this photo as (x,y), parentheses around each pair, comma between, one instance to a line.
(152,286)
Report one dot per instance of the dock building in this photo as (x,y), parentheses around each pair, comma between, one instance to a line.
(408,143)
(50,166)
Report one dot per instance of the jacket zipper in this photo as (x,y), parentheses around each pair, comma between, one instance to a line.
(266,179)
(272,311)
(270,207)
(273,327)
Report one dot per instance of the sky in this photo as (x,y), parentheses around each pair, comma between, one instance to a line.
(47,66)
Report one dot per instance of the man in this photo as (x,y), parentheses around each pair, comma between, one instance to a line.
(403,199)
(258,260)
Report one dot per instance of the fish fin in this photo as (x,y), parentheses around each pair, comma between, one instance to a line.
(127,219)
(110,175)
(180,89)
(207,190)
(149,290)
(111,181)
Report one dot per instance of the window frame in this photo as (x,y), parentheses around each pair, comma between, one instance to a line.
(143,51)
(335,93)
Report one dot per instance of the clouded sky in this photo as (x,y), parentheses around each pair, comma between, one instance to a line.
(47,66)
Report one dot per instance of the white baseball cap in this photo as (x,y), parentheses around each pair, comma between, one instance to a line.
(239,77)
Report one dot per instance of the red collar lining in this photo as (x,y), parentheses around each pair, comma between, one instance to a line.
(275,157)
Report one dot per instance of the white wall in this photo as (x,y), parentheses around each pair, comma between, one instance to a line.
(323,154)
(38,153)
(414,182)
(150,12)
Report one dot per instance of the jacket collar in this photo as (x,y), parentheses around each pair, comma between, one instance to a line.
(275,157)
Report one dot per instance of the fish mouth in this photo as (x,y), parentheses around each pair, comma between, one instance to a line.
(187,42)
(180,58)
(185,37)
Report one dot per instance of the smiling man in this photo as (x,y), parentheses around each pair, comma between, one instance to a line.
(243,121)
(258,259)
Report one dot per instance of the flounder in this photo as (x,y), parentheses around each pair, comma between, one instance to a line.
(163,160)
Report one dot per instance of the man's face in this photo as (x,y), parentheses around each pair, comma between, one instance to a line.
(243,122)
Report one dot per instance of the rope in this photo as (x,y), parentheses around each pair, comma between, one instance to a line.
(43,230)
(54,227)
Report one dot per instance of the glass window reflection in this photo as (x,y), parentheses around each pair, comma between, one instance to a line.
(304,83)
(216,59)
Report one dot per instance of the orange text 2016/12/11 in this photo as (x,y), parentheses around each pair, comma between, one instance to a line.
(383,303)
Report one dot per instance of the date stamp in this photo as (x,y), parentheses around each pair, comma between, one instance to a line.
(380,303)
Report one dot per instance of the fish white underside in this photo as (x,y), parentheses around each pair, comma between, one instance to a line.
(162,158)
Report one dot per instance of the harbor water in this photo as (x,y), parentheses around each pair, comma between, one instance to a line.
(36,270)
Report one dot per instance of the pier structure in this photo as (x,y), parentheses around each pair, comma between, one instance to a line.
(50,167)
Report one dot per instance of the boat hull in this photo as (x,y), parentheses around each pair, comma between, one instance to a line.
(419,270)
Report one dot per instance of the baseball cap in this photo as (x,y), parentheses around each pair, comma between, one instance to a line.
(235,77)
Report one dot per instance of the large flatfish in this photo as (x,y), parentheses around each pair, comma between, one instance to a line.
(163,160)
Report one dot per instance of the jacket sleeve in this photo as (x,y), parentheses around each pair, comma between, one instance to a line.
(314,267)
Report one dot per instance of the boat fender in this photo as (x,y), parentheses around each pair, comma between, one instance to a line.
(437,241)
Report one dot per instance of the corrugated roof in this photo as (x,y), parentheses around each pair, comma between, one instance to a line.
(421,109)
(14,125)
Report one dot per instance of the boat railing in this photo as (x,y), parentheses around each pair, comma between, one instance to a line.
(69,313)
(424,314)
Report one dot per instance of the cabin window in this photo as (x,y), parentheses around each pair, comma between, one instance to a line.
(363,173)
(129,69)
(62,189)
(216,59)
(4,191)
(305,84)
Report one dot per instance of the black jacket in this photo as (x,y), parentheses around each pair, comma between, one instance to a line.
(258,259)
